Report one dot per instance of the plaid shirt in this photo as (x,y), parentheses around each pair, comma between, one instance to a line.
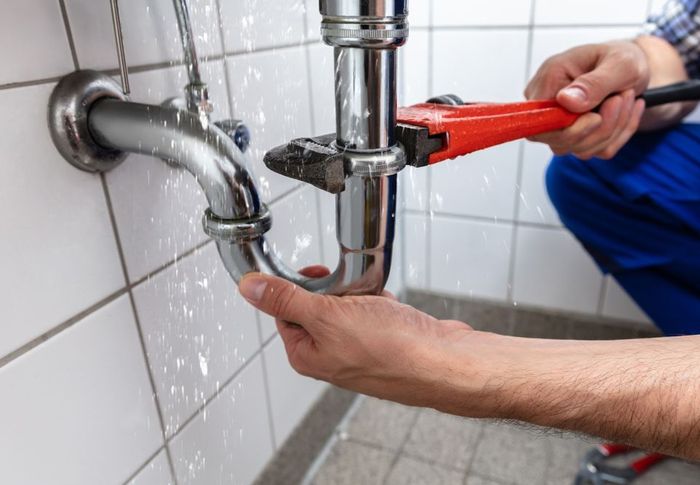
(679,23)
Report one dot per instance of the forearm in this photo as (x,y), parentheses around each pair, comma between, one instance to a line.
(642,392)
(666,67)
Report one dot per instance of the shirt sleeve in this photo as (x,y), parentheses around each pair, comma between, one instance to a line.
(679,23)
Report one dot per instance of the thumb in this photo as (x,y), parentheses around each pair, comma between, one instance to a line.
(281,299)
(589,90)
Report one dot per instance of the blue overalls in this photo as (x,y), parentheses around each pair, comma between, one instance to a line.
(638,215)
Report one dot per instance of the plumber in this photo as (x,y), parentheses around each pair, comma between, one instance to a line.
(626,182)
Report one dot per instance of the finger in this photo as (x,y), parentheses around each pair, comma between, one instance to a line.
(317,271)
(592,88)
(282,299)
(601,149)
(610,112)
(595,146)
(632,126)
(573,135)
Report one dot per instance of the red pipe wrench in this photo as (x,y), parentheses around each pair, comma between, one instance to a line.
(446,128)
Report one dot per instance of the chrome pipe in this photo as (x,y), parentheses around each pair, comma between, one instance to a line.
(236,218)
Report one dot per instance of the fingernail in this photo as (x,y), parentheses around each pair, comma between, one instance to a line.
(575,93)
(252,288)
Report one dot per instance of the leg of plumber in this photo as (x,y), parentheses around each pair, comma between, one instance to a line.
(633,204)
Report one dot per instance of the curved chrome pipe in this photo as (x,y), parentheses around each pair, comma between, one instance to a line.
(237,218)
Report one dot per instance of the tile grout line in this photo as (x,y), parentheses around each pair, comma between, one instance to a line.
(479,437)
(602,295)
(136,69)
(332,440)
(486,220)
(69,33)
(510,290)
(44,337)
(137,321)
(400,449)
(266,385)
(428,280)
(143,466)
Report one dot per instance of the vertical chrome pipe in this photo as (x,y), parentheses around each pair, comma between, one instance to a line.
(119,42)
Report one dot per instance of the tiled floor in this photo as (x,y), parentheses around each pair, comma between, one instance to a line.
(389,444)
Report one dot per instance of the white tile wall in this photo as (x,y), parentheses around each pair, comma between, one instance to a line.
(84,385)
(79,409)
(33,42)
(229,442)
(487,51)
(291,395)
(198,332)
(619,305)
(156,472)
(552,270)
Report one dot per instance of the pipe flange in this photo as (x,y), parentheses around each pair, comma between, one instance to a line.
(237,230)
(375,164)
(69,106)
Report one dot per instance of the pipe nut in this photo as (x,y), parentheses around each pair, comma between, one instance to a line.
(237,230)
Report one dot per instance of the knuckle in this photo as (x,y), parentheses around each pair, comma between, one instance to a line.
(281,301)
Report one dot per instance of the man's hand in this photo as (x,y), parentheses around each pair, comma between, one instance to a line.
(642,392)
(371,344)
(608,75)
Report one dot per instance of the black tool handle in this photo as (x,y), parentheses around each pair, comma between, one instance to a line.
(672,93)
(682,91)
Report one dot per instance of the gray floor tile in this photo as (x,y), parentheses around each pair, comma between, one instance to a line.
(566,453)
(443,439)
(596,331)
(440,307)
(511,454)
(535,324)
(409,471)
(477,480)
(351,463)
(485,316)
(381,423)
(673,472)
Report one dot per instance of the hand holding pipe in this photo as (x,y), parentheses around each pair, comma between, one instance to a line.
(447,128)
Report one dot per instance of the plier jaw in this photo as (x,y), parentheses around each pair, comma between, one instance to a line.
(433,132)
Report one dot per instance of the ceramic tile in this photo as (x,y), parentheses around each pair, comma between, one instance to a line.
(291,395)
(511,454)
(656,6)
(79,408)
(270,92)
(534,205)
(443,439)
(419,13)
(229,442)
(481,184)
(415,239)
(323,88)
(33,41)
(158,208)
(415,188)
(150,30)
(351,463)
(381,423)
(414,69)
(553,270)
(58,246)
(313,19)
(409,471)
(198,331)
(331,250)
(470,258)
(452,13)
(483,78)
(157,472)
(589,12)
(618,304)
(295,233)
(551,41)
(261,24)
